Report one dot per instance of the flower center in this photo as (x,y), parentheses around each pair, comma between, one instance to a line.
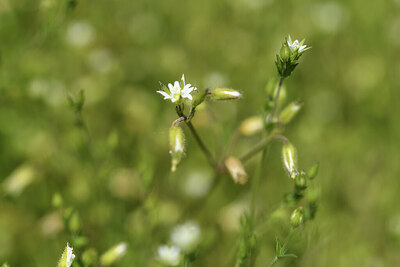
(176,96)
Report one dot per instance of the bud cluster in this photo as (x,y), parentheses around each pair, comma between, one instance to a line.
(288,56)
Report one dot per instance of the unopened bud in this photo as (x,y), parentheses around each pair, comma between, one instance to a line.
(251,126)
(313,171)
(113,254)
(297,217)
(225,94)
(177,145)
(289,158)
(285,52)
(57,200)
(236,170)
(67,257)
(301,180)
(290,111)
(199,98)
(74,223)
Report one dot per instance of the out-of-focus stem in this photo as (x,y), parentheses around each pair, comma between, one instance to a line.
(258,148)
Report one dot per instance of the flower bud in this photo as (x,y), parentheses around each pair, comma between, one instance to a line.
(57,200)
(290,111)
(301,180)
(236,170)
(113,254)
(177,145)
(251,126)
(67,257)
(289,158)
(297,217)
(313,171)
(225,94)
(199,98)
(285,52)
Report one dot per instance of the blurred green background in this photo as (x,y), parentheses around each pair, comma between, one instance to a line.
(116,174)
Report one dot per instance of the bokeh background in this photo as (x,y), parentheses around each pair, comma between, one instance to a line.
(116,174)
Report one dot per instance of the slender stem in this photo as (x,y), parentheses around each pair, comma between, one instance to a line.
(258,148)
(203,147)
(271,114)
(254,185)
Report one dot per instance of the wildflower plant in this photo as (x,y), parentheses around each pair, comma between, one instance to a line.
(271,124)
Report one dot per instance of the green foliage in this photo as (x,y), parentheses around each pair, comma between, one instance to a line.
(84,137)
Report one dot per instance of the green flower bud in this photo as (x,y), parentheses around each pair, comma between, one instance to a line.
(57,200)
(312,173)
(290,111)
(225,94)
(74,223)
(285,52)
(301,181)
(177,145)
(112,255)
(297,217)
(236,170)
(289,159)
(199,98)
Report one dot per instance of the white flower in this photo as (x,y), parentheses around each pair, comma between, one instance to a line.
(186,236)
(169,255)
(297,46)
(178,91)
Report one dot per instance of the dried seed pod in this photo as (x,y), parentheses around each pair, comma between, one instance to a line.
(236,170)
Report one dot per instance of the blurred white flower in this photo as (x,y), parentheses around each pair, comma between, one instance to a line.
(52,91)
(186,236)
(101,60)
(169,255)
(178,92)
(197,184)
(80,34)
(19,179)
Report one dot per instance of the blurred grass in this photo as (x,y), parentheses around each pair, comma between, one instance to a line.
(117,51)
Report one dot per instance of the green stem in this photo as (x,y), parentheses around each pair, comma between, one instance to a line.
(258,148)
(272,113)
(255,184)
(203,147)
(274,260)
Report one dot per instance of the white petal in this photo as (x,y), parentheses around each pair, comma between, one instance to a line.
(186,90)
(170,86)
(189,96)
(164,94)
